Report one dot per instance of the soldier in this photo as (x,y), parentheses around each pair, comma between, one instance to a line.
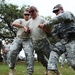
(6,47)
(22,40)
(40,41)
(1,50)
(65,31)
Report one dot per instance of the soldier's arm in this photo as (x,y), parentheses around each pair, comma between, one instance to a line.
(26,28)
(53,21)
(63,17)
(17,24)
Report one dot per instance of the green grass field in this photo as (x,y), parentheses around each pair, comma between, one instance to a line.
(38,69)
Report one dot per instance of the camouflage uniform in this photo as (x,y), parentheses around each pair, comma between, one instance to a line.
(41,44)
(65,31)
(21,41)
(42,48)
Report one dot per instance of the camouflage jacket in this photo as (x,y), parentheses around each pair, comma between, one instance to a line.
(64,25)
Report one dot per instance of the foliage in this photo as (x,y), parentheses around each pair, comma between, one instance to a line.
(48,18)
(8,13)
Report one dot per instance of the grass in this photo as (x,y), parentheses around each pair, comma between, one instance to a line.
(38,69)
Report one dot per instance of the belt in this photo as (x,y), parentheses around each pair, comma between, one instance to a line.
(22,37)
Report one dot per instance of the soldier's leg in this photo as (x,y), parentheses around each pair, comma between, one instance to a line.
(70,48)
(5,58)
(53,63)
(45,49)
(29,53)
(12,54)
(62,60)
(54,58)
(42,58)
(37,45)
(39,49)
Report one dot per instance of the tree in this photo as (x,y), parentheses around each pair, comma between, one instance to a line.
(8,13)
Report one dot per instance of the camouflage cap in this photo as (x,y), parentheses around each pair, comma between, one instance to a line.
(56,8)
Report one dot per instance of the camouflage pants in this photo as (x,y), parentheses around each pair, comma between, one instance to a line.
(16,47)
(54,55)
(42,49)
(5,57)
(63,59)
(70,47)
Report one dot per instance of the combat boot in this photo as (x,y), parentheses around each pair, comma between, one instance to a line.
(46,72)
(29,74)
(53,73)
(12,72)
(58,73)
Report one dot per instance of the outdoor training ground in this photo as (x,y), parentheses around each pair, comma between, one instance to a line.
(38,69)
